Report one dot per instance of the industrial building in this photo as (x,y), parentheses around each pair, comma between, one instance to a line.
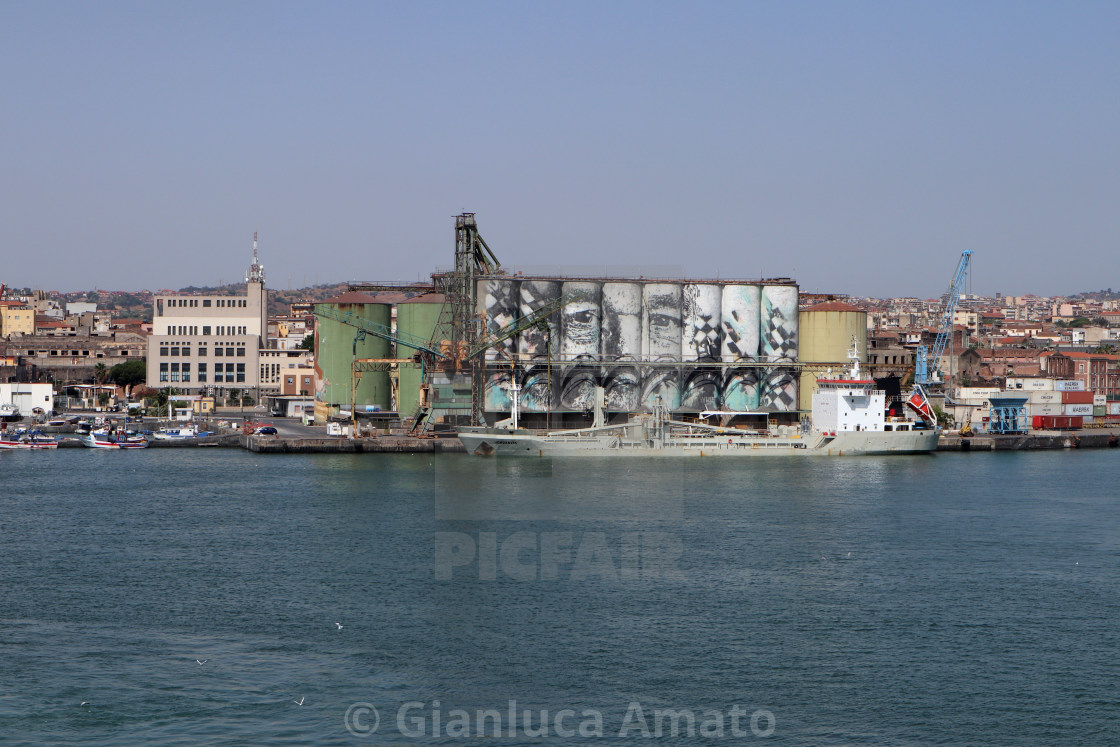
(464,346)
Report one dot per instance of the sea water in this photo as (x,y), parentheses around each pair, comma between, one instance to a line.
(940,599)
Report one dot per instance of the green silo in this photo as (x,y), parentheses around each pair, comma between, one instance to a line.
(336,347)
(416,318)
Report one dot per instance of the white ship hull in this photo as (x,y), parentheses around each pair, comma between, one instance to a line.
(497,442)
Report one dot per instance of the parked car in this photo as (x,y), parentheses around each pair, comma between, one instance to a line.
(266,430)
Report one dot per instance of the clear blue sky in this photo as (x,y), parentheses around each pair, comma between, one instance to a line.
(855,146)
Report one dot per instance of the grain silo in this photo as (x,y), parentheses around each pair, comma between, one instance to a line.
(338,344)
(416,319)
(826,332)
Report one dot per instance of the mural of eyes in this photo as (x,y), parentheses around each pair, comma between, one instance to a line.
(578,389)
(535,390)
(580,321)
(701,390)
(623,389)
(661,386)
(616,324)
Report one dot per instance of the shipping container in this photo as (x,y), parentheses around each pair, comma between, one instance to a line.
(1114,408)
(1055,423)
(1046,398)
(1049,409)
(1077,398)
(1078,410)
(1099,411)
(1069,385)
(1099,400)
(1030,385)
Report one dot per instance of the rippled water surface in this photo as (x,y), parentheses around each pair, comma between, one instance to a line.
(949,599)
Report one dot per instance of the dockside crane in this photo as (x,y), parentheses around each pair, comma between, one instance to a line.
(426,356)
(926,364)
(477,353)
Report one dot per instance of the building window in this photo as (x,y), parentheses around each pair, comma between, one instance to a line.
(186,372)
(174,351)
(205,329)
(218,368)
(229,352)
(241,352)
(219,352)
(186,351)
(202,368)
(291,379)
(163,350)
(241,372)
(202,351)
(206,303)
(163,372)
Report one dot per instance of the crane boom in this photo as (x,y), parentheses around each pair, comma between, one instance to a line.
(926,365)
(529,320)
(377,329)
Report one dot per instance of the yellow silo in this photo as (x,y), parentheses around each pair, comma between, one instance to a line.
(826,332)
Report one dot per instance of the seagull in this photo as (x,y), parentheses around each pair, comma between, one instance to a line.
(849,553)
(200,663)
(300,701)
(338,625)
(84,703)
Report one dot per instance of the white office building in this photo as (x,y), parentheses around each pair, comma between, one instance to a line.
(210,344)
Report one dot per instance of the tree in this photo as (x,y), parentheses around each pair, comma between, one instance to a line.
(128,374)
(100,373)
(308,343)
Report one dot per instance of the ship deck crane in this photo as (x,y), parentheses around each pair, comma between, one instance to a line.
(927,364)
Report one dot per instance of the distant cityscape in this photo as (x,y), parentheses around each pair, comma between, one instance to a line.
(78,339)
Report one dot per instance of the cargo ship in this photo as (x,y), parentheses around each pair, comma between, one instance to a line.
(849,418)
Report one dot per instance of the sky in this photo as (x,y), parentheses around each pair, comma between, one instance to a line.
(857,147)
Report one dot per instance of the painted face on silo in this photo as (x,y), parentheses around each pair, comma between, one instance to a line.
(701,390)
(536,393)
(497,392)
(542,340)
(502,305)
(581,329)
(661,386)
(578,391)
(663,315)
(623,389)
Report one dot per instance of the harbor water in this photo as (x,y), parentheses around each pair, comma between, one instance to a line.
(214,596)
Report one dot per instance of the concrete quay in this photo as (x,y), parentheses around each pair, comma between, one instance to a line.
(375,445)
(1095,439)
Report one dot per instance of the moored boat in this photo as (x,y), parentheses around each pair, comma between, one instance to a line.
(849,419)
(180,432)
(31,440)
(105,439)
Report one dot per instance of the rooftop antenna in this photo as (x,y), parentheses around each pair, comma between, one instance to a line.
(256,270)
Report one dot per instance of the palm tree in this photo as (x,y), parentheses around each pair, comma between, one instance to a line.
(100,374)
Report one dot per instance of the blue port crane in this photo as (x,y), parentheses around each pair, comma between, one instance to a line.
(925,366)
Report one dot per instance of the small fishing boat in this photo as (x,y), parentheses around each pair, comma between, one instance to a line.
(180,432)
(105,439)
(31,440)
